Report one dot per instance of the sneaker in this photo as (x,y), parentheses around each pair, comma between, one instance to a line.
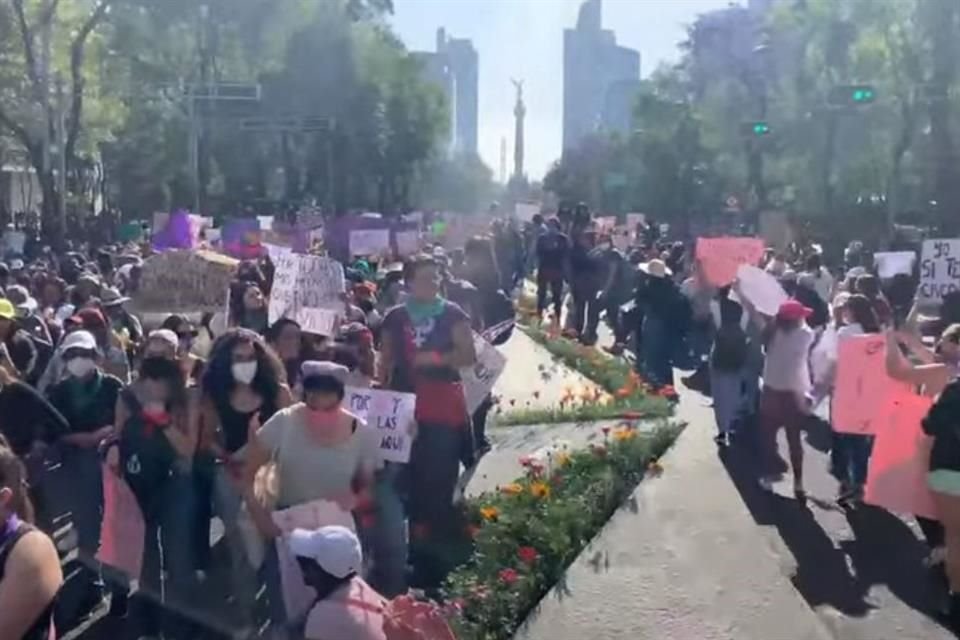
(722,440)
(766,484)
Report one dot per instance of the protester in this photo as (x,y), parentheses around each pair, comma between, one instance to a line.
(186,333)
(850,453)
(321,452)
(426,341)
(156,444)
(30,574)
(252,311)
(665,322)
(727,361)
(243,387)
(585,275)
(122,321)
(285,337)
(17,350)
(820,277)
(113,354)
(553,255)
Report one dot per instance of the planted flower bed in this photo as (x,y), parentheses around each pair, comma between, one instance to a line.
(527,533)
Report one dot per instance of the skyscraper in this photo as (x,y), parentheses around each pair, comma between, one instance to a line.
(454,67)
(600,78)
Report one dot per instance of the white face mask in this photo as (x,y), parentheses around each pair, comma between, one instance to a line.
(80,367)
(244,372)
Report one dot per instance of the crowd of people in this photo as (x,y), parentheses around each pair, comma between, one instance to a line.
(225,418)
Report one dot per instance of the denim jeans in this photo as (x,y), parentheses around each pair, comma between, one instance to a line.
(849,458)
(83,470)
(243,577)
(726,388)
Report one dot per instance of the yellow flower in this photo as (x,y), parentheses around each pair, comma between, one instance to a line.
(563,459)
(513,489)
(489,513)
(540,490)
(621,435)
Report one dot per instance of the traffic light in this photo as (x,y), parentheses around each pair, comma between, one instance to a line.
(852,95)
(756,128)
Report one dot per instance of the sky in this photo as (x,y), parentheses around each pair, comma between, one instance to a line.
(524,39)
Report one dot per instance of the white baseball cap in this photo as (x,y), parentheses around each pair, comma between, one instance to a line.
(79,340)
(336,549)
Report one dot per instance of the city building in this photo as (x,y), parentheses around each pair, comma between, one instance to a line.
(600,78)
(454,68)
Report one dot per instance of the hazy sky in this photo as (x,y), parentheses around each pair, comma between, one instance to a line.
(524,39)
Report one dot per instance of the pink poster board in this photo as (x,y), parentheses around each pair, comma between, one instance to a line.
(897,477)
(721,257)
(862,384)
(121,544)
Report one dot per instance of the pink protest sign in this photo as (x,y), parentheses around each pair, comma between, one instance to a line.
(897,477)
(862,384)
(721,257)
(121,544)
(297,596)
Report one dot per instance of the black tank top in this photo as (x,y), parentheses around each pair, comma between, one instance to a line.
(41,627)
(235,426)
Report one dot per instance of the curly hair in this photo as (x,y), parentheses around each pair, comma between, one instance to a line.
(218,379)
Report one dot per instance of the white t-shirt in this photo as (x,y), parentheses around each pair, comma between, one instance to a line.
(786,367)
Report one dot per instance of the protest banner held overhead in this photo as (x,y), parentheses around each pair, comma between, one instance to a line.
(185,282)
(891,263)
(408,243)
(308,289)
(939,269)
(721,257)
(390,413)
(369,242)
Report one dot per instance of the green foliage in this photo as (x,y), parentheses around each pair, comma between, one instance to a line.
(527,534)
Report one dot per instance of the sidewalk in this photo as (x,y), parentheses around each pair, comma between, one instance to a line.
(683,560)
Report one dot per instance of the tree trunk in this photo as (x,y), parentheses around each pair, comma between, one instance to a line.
(942,15)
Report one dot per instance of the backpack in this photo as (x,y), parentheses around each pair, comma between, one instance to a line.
(145,463)
(729,348)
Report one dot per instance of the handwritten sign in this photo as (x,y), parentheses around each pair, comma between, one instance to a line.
(408,243)
(761,289)
(185,281)
(122,534)
(369,242)
(297,596)
(897,475)
(862,382)
(635,219)
(307,289)
(939,269)
(391,414)
(721,257)
(479,379)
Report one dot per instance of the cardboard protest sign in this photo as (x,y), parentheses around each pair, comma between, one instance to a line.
(635,219)
(369,242)
(891,263)
(761,289)
(185,282)
(408,243)
(307,289)
(123,529)
(897,476)
(297,596)
(721,257)
(939,269)
(391,414)
(862,382)
(479,379)
(13,242)
(524,211)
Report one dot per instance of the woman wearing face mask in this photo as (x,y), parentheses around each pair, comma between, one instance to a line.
(87,398)
(426,341)
(30,574)
(322,452)
(243,386)
(286,339)
(850,453)
(156,444)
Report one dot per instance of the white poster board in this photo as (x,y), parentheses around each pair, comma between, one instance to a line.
(891,263)
(408,243)
(761,289)
(479,379)
(526,210)
(369,242)
(939,269)
(308,289)
(14,241)
(391,413)
(266,223)
(634,219)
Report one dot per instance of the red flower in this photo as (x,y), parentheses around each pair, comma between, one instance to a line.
(526,460)
(527,555)
(606,431)
(509,576)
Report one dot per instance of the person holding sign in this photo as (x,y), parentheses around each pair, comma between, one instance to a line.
(321,451)
(425,343)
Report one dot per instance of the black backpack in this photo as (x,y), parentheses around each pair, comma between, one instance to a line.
(729,348)
(145,463)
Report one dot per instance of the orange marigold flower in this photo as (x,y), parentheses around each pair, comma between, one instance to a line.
(490,513)
(512,489)
(563,459)
(540,490)
(528,555)
(621,435)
